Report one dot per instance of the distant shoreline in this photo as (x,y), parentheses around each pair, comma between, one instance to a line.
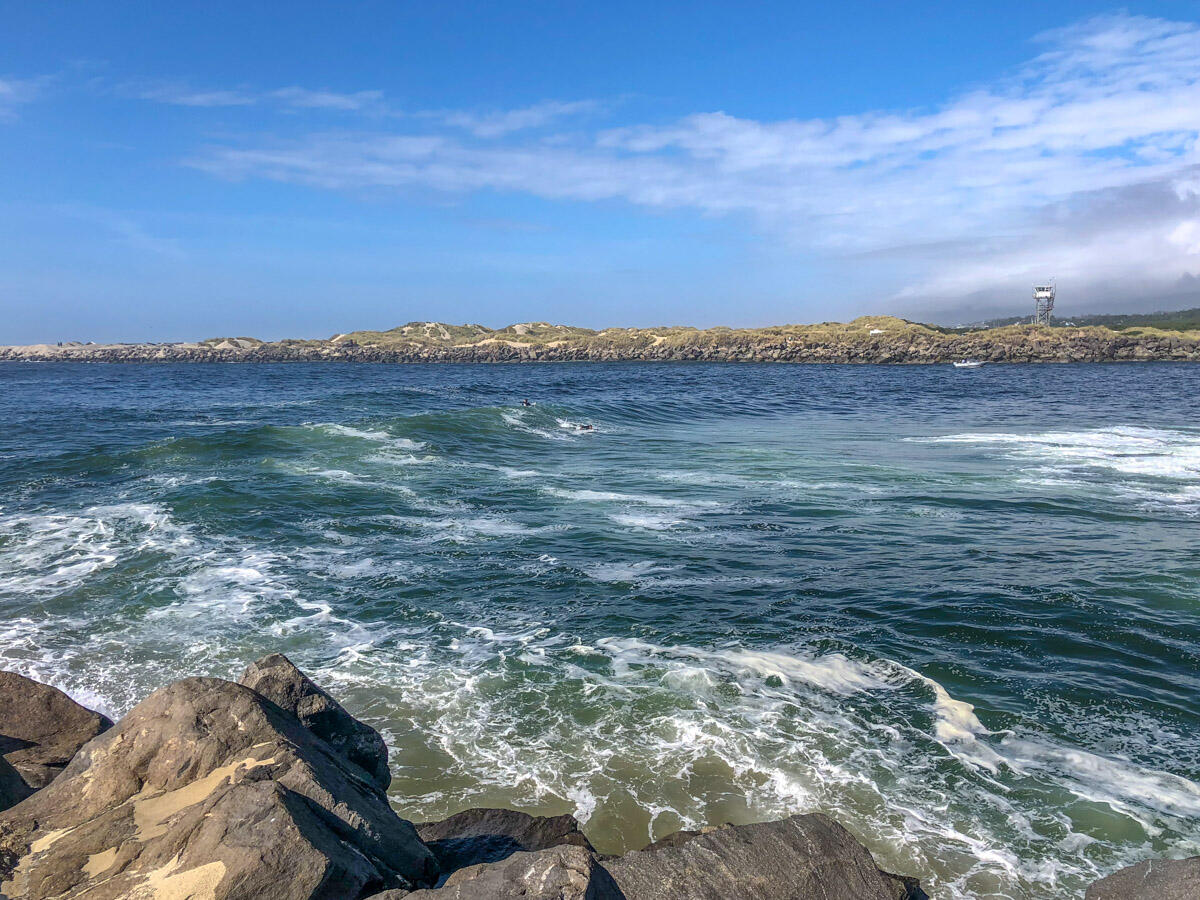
(869,340)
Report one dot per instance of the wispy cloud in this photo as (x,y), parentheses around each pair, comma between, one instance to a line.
(303,98)
(125,228)
(1031,175)
(498,123)
(180,95)
(16,91)
(286,98)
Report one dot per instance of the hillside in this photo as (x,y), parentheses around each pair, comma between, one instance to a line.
(869,339)
(1176,320)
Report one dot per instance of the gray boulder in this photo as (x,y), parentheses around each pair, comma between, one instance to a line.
(797,858)
(560,873)
(41,728)
(477,836)
(277,679)
(207,789)
(1151,879)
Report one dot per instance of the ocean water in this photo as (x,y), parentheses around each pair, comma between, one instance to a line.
(958,610)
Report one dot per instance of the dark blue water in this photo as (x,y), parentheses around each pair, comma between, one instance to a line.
(956,609)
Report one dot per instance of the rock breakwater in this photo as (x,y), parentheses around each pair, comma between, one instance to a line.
(878,340)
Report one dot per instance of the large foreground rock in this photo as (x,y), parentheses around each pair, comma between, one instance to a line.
(208,790)
(798,858)
(560,873)
(1153,879)
(477,836)
(283,684)
(41,728)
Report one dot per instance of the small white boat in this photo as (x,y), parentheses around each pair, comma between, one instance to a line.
(968,364)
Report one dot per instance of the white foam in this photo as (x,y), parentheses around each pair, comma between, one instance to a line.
(342,476)
(232,586)
(517,420)
(1157,465)
(1119,783)
(375,436)
(56,552)
(578,427)
(591,496)
(648,521)
(1126,449)
(625,571)
(465,529)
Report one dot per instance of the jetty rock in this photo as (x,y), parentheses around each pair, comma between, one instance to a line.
(798,857)
(1151,879)
(208,789)
(565,872)
(277,679)
(41,729)
(477,836)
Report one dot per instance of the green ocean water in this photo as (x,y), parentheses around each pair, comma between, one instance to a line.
(958,610)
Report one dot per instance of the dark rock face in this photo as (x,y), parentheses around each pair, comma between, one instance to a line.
(560,873)
(277,679)
(41,728)
(798,858)
(488,835)
(206,789)
(13,788)
(1153,879)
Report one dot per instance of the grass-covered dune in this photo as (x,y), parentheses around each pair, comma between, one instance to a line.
(868,339)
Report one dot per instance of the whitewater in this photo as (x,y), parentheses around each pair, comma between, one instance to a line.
(957,610)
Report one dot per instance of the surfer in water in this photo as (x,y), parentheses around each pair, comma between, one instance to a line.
(526,403)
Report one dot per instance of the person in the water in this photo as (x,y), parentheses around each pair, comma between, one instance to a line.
(526,403)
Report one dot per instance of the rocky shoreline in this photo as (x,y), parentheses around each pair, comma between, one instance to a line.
(267,788)
(872,340)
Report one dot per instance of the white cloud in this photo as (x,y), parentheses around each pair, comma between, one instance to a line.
(499,123)
(288,97)
(302,98)
(1034,172)
(1186,235)
(179,95)
(16,91)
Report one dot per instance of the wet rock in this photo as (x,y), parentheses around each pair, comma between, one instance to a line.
(41,728)
(207,789)
(277,679)
(1151,879)
(477,836)
(794,859)
(560,873)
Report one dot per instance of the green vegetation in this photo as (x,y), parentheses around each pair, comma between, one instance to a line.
(1178,320)
(544,334)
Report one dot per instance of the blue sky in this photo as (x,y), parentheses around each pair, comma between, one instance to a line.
(176,171)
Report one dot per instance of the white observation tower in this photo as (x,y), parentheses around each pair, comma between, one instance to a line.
(1043,303)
